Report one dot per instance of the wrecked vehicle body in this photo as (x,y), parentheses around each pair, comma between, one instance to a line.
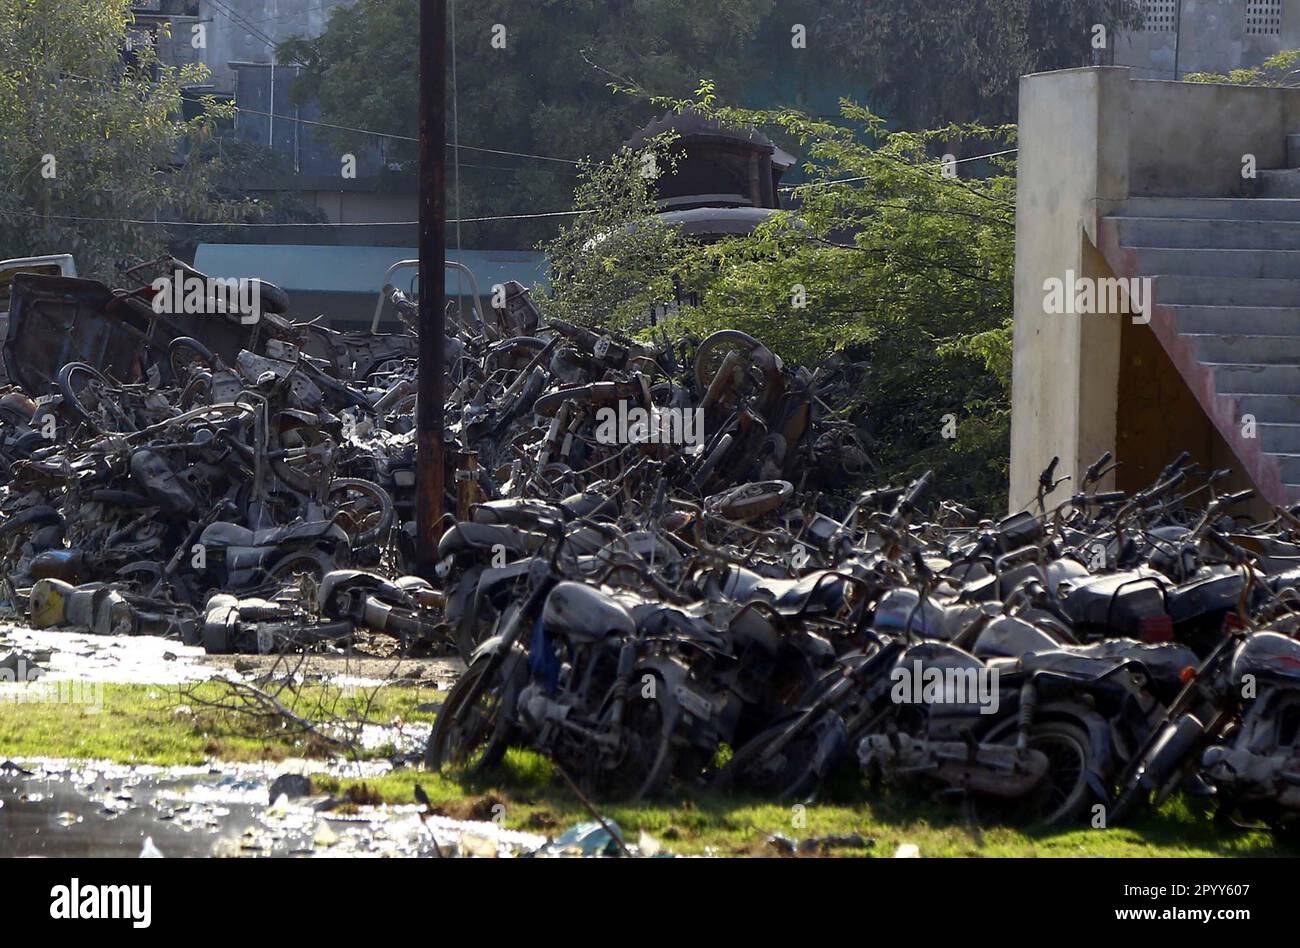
(714,601)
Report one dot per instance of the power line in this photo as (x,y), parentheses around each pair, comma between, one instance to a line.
(130,220)
(403,138)
(362,131)
(238,18)
(867,177)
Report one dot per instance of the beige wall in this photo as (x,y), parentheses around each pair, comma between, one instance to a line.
(1063,404)
(1089,139)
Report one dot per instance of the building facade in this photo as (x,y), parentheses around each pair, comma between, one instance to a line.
(1178,37)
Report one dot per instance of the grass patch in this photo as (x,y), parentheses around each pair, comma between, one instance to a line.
(702,823)
(141,724)
(155,724)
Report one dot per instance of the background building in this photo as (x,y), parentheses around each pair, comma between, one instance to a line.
(1185,36)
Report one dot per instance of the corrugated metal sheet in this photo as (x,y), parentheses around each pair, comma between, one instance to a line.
(357,269)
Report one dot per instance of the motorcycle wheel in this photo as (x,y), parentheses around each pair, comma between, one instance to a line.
(646,759)
(81,386)
(786,775)
(365,507)
(1065,794)
(182,354)
(471,732)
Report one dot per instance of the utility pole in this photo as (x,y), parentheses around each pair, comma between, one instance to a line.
(429,455)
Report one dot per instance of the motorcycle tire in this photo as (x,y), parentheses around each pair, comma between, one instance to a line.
(461,739)
(648,756)
(787,776)
(71,392)
(182,352)
(381,520)
(1068,750)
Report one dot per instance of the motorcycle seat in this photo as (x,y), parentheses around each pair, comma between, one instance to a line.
(819,593)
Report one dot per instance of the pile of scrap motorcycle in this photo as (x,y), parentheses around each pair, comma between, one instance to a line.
(725,611)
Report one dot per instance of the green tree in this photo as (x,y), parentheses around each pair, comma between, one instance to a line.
(932,62)
(547,92)
(1282,69)
(618,261)
(91,126)
(891,258)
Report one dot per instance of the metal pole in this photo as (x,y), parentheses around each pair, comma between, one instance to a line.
(433,251)
(1178,35)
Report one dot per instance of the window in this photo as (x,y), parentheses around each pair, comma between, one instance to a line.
(1159,16)
(1263,17)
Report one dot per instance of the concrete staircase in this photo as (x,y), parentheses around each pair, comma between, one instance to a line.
(1226,309)
(1282,183)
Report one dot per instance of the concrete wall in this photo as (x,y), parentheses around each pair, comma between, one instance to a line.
(246,30)
(1063,366)
(1212,36)
(1089,139)
(1187,139)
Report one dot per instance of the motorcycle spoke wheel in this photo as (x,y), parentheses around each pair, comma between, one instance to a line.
(470,733)
(643,763)
(787,773)
(1064,793)
(364,509)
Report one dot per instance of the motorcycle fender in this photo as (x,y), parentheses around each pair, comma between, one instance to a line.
(491,647)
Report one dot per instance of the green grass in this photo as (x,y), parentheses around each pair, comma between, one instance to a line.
(705,823)
(140,724)
(149,724)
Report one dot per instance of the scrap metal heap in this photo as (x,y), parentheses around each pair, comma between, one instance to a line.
(248,485)
(661,565)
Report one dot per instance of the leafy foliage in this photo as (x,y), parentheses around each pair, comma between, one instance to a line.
(618,262)
(901,266)
(935,61)
(111,125)
(1282,69)
(545,93)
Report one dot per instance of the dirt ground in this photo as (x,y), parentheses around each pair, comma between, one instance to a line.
(440,673)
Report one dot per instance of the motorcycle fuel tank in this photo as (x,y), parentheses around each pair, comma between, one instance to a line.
(1267,654)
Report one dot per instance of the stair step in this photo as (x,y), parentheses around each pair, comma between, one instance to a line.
(1288,465)
(1266,264)
(1209,234)
(1257,379)
(1272,321)
(1254,349)
(1227,292)
(1219,209)
(1267,409)
(1283,183)
(1279,438)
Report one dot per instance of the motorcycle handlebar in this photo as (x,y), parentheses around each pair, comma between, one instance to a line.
(1163,487)
(1227,500)
(1095,468)
(1232,550)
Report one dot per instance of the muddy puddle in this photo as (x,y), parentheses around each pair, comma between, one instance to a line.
(51,808)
